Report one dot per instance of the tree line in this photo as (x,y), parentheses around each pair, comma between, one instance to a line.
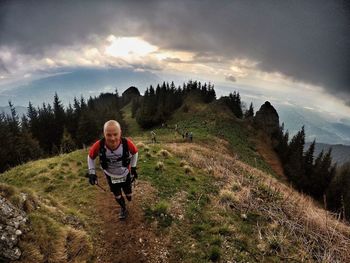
(237,107)
(157,104)
(48,129)
(316,176)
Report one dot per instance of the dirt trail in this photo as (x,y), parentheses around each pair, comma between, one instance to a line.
(130,240)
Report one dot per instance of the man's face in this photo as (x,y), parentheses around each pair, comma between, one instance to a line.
(112,136)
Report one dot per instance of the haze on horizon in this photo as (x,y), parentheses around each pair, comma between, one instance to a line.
(291,52)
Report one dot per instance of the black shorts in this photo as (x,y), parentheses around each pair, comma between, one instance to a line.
(116,189)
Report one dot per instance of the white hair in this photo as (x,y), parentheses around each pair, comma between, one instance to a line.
(111,123)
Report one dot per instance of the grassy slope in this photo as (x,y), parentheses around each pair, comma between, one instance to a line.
(59,207)
(220,209)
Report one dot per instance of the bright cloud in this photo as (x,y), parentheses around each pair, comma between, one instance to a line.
(128,46)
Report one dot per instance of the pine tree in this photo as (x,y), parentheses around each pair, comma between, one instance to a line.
(294,167)
(309,167)
(88,128)
(338,194)
(250,112)
(13,120)
(5,139)
(59,120)
(67,143)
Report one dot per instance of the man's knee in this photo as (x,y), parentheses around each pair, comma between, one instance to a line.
(129,196)
(118,196)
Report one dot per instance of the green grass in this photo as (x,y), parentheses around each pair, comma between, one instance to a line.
(132,128)
(207,122)
(200,236)
(54,190)
(205,232)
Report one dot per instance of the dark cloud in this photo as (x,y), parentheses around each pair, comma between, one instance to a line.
(305,40)
(231,78)
(3,69)
(173,60)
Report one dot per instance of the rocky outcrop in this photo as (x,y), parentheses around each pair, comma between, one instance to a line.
(12,221)
(129,94)
(267,119)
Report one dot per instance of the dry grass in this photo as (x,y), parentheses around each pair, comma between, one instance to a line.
(209,170)
(321,235)
(146,149)
(140,145)
(24,199)
(188,169)
(159,166)
(30,201)
(31,253)
(177,205)
(227,197)
(50,241)
(78,246)
(164,153)
(6,190)
(183,163)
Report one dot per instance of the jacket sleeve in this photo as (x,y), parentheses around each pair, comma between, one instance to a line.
(93,153)
(134,152)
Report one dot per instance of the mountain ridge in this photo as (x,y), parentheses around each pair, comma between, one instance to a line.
(219,205)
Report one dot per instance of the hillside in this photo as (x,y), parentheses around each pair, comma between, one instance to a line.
(213,199)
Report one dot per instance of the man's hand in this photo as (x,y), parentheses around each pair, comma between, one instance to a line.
(92,179)
(133,174)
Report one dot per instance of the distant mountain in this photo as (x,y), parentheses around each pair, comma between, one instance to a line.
(340,153)
(324,129)
(77,82)
(320,125)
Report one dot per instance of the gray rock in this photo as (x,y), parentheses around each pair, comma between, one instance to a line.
(267,119)
(11,220)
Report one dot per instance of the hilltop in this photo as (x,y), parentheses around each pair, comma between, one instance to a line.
(217,198)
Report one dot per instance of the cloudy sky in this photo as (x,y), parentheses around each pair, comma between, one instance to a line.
(294,51)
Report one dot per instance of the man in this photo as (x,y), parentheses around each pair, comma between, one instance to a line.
(118,158)
(153,137)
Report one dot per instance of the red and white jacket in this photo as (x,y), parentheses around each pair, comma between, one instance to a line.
(115,168)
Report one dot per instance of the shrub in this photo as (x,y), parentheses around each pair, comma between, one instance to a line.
(164,153)
(227,197)
(159,166)
(7,190)
(188,169)
(214,253)
(183,163)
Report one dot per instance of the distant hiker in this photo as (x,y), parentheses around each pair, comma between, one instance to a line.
(118,159)
(153,137)
(190,136)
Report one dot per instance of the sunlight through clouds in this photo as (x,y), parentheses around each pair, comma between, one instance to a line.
(128,46)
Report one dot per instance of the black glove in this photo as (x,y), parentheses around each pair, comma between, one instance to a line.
(92,179)
(133,174)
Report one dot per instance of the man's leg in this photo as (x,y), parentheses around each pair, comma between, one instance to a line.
(129,197)
(121,201)
(127,188)
(116,189)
